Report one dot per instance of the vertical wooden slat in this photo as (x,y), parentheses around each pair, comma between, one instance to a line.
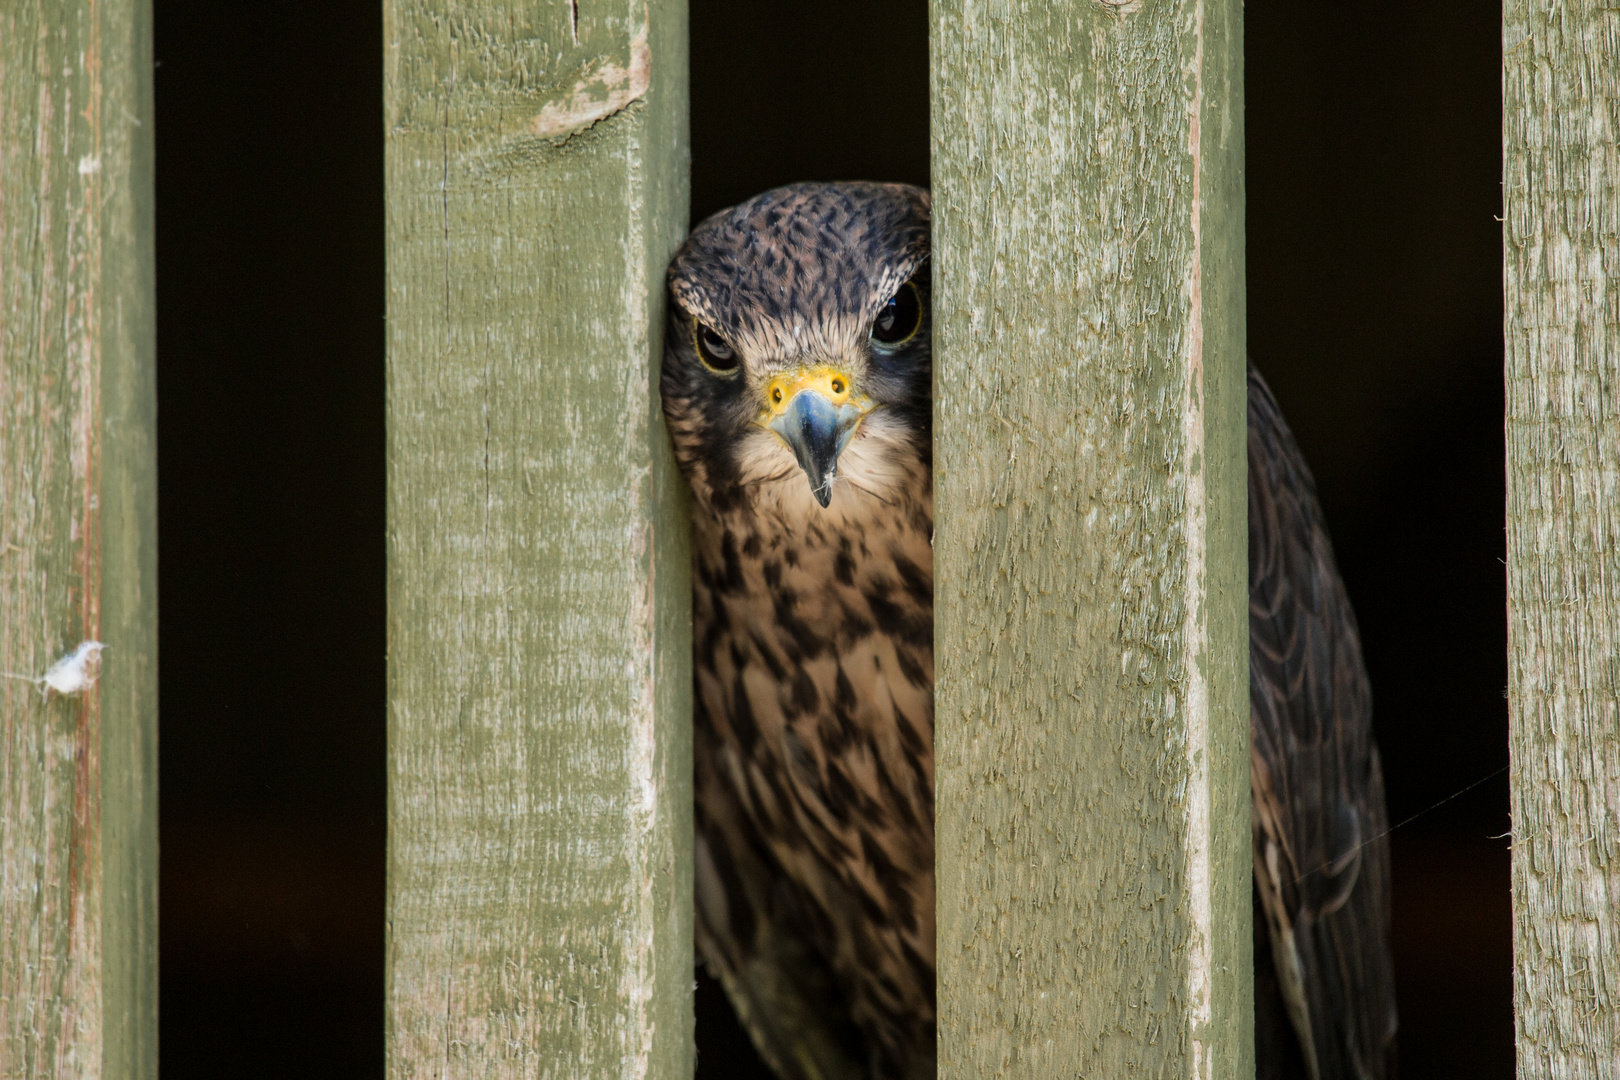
(1561,164)
(1092,718)
(539,888)
(78,778)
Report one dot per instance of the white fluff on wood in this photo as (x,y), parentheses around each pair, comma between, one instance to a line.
(77,670)
(74,673)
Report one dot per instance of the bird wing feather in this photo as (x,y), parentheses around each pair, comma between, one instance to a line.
(753,934)
(1321,857)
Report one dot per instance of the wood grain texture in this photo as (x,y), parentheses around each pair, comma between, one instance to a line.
(1561,162)
(539,888)
(1092,695)
(78,778)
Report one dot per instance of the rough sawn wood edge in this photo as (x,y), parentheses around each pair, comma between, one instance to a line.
(1561,249)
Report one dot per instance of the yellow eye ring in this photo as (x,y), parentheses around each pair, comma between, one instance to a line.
(714,351)
(899,320)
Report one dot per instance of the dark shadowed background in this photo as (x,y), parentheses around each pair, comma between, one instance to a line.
(1374,309)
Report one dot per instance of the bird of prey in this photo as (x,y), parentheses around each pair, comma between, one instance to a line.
(797,385)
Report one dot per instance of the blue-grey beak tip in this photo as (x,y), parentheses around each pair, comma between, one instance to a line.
(812,426)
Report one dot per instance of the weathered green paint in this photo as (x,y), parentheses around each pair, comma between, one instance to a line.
(1561,160)
(539,883)
(1091,620)
(78,555)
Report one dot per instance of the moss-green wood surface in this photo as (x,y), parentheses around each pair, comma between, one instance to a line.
(1561,156)
(78,556)
(539,883)
(1092,701)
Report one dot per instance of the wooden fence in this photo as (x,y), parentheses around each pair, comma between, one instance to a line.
(1093,845)
(1091,615)
(78,552)
(539,673)
(1561,245)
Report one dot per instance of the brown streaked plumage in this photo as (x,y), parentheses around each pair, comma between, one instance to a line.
(1321,858)
(797,385)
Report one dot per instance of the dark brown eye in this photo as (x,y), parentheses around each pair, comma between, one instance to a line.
(899,319)
(716,354)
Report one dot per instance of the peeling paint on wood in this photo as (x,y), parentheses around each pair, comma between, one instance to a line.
(1561,160)
(539,902)
(607,88)
(78,778)
(1091,618)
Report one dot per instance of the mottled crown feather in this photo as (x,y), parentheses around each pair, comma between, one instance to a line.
(820,252)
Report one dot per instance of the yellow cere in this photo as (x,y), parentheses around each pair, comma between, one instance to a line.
(830,382)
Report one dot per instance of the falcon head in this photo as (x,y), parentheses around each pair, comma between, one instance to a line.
(797,356)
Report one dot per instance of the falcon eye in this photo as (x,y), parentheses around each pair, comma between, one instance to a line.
(900,318)
(716,354)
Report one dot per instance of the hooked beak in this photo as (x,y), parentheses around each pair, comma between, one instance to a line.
(815,413)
